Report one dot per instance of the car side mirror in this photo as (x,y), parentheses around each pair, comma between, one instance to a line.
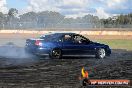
(86,41)
(83,41)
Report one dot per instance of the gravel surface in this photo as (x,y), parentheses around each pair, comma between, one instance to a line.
(20,70)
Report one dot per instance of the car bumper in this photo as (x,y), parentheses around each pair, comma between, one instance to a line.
(42,51)
(38,51)
(108,52)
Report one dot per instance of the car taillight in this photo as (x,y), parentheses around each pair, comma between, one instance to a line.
(38,43)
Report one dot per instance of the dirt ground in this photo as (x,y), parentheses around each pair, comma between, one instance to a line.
(24,36)
(19,39)
(21,70)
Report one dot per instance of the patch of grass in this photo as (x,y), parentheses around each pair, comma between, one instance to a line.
(117,43)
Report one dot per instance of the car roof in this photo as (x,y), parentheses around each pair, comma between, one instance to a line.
(59,33)
(65,33)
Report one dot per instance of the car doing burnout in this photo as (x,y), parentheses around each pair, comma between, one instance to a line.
(57,45)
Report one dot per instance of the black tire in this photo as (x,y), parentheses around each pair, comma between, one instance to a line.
(56,54)
(101,53)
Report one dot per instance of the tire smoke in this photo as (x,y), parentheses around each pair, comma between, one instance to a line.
(14,55)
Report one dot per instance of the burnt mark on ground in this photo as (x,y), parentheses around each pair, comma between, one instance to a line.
(38,72)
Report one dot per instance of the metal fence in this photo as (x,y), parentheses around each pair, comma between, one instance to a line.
(35,25)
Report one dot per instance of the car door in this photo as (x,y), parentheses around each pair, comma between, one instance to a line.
(69,47)
(83,45)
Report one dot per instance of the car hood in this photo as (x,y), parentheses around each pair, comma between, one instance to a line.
(98,44)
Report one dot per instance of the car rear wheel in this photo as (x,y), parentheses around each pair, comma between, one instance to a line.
(56,54)
(101,53)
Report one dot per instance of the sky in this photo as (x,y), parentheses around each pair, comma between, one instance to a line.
(70,8)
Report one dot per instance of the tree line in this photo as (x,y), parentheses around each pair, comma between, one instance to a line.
(50,19)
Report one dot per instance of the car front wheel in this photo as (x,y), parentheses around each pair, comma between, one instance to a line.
(101,53)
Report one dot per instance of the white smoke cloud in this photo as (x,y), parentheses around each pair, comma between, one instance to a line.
(77,8)
(69,8)
(114,3)
(3,7)
(101,13)
(42,5)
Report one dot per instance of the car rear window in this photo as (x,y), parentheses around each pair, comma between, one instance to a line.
(50,37)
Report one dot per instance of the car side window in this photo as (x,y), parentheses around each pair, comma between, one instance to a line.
(79,39)
(67,38)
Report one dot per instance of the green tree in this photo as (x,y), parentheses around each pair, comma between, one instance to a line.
(1,17)
(12,12)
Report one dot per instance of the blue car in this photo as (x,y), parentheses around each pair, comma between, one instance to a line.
(57,45)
